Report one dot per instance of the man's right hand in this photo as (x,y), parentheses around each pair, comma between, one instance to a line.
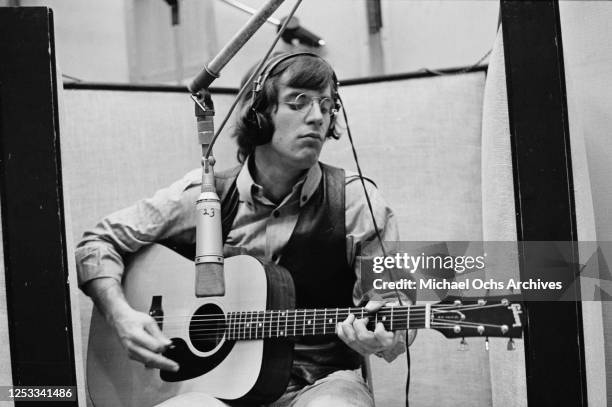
(138,332)
(142,338)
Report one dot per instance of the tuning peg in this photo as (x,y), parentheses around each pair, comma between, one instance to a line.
(463,345)
(487,343)
(511,345)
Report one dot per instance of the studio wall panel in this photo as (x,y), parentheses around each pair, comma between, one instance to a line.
(418,139)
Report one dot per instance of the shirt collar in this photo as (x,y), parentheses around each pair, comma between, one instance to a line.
(247,187)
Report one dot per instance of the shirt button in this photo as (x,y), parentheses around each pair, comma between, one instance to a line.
(276,214)
(274,257)
(304,198)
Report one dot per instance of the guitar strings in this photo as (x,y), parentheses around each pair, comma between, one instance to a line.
(260,324)
(302,314)
(264,333)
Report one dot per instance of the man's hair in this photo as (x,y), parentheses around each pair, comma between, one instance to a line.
(256,128)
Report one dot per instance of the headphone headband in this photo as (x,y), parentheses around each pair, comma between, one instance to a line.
(275,61)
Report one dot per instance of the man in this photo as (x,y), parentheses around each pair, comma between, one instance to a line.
(286,202)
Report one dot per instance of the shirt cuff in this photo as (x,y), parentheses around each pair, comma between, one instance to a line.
(95,261)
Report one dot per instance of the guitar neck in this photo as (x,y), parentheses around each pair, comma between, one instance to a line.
(310,322)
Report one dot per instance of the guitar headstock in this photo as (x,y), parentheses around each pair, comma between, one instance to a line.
(472,317)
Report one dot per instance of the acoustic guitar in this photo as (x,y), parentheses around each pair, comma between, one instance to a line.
(239,346)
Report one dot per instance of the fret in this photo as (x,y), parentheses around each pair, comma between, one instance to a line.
(427,315)
(269,320)
(304,323)
(250,324)
(294,321)
(258,325)
(408,317)
(278,331)
(233,329)
(314,322)
(383,316)
(229,325)
(324,320)
(391,318)
(241,325)
(286,315)
(336,319)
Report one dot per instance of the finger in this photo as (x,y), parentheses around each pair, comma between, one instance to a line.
(144,339)
(384,337)
(373,305)
(346,327)
(362,332)
(152,359)
(346,334)
(154,330)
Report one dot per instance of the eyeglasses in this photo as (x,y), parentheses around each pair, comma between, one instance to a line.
(303,103)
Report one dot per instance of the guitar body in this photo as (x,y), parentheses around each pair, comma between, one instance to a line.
(162,281)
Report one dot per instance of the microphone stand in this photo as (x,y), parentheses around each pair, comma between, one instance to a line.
(209,280)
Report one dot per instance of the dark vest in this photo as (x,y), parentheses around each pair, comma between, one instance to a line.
(315,256)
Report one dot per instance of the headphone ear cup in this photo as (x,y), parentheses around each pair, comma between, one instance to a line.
(261,130)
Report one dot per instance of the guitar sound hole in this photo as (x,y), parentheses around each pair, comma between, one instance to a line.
(207,327)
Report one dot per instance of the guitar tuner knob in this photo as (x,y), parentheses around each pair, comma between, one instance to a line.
(482,302)
(504,329)
(456,329)
(480,329)
(487,344)
(463,345)
(457,302)
(511,345)
(505,302)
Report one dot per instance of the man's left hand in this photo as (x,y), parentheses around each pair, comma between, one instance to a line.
(356,335)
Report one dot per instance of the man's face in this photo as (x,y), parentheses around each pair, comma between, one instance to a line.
(299,134)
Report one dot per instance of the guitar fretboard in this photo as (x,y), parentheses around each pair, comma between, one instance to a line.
(309,322)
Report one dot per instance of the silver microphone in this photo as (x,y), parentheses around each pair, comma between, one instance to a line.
(209,246)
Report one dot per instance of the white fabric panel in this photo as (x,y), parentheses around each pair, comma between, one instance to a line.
(587,53)
(499,224)
(118,147)
(418,139)
(74,292)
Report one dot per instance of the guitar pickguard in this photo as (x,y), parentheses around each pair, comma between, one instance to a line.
(191,365)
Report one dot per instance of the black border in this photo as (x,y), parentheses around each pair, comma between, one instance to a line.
(33,224)
(545,208)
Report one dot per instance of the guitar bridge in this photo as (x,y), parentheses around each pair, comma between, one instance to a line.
(156,310)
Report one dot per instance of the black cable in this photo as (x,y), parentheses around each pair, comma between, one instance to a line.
(248,83)
(367,196)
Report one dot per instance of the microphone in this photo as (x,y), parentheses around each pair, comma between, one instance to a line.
(212,70)
(209,246)
(295,31)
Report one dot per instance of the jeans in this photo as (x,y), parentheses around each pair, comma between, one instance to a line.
(344,388)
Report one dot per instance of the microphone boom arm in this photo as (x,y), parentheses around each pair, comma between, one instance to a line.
(213,68)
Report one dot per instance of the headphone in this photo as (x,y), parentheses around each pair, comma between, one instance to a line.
(258,120)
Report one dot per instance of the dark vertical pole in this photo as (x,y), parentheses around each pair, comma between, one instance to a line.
(543,192)
(35,258)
